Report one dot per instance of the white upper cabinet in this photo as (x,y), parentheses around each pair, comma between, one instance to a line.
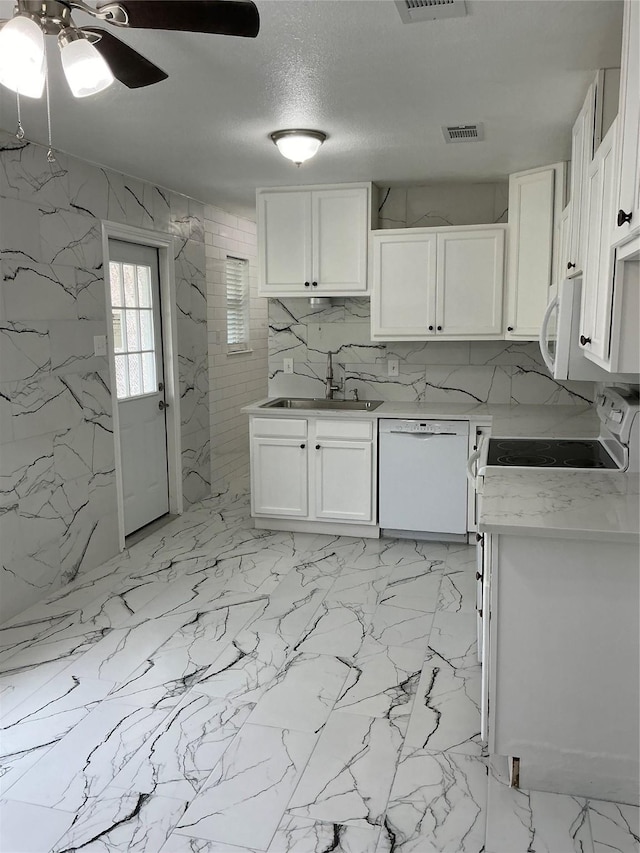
(437,282)
(597,288)
(469,283)
(313,241)
(536,199)
(582,144)
(627,210)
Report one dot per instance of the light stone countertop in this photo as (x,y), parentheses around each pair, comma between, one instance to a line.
(561,504)
(505,420)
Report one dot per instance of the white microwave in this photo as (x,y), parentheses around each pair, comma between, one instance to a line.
(559,337)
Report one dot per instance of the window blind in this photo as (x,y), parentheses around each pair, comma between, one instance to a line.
(237,277)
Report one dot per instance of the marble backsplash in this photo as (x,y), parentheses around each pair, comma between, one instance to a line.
(433,371)
(58,510)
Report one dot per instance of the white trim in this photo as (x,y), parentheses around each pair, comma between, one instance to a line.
(164,243)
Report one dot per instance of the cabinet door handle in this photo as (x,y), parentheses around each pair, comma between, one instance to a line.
(302,446)
(162,405)
(431,328)
(317,447)
(314,284)
(439,328)
(509,328)
(570,266)
(478,576)
(306,284)
(624,217)
(584,341)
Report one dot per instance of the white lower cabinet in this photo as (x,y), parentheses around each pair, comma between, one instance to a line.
(314,469)
(561,662)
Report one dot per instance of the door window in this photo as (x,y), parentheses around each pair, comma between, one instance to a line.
(133,329)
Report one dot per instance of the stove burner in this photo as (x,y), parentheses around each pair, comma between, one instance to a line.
(520,444)
(526,461)
(584,463)
(576,443)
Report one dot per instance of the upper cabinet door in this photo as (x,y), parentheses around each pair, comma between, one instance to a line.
(626,218)
(597,287)
(284,241)
(340,226)
(469,282)
(536,199)
(403,301)
(582,143)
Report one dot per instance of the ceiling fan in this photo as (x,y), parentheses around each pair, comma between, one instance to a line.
(92,56)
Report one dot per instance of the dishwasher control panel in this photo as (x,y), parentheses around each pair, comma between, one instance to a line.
(431,427)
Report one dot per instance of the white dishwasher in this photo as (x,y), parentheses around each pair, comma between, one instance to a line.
(422,489)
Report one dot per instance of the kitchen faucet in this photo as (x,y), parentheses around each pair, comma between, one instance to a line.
(329,387)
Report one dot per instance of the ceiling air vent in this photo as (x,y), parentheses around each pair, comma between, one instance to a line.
(412,11)
(464,132)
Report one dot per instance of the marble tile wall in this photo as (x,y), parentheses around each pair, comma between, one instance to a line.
(58,514)
(434,371)
(241,378)
(432,205)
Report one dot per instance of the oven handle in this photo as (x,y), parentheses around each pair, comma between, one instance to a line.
(544,346)
(472,474)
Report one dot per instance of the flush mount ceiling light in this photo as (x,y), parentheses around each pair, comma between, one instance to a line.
(298,145)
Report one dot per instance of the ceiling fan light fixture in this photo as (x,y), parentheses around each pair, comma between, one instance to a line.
(22,65)
(86,71)
(298,145)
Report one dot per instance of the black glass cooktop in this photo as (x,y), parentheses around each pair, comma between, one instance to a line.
(548,453)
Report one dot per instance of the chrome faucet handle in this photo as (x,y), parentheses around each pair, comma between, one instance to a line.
(354,394)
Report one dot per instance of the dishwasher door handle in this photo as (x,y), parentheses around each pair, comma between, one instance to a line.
(423,435)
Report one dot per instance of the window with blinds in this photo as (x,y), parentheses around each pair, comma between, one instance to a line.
(237,276)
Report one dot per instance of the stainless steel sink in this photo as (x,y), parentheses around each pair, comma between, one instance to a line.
(321,403)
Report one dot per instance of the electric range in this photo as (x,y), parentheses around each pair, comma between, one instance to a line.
(617,448)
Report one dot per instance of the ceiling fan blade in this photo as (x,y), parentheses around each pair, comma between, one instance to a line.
(224,17)
(126,64)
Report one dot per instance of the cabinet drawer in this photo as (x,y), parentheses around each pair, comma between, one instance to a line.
(282,427)
(344,429)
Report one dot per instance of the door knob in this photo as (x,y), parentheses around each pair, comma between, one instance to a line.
(162,405)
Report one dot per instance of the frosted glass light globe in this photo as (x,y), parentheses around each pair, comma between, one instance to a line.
(86,71)
(298,145)
(22,66)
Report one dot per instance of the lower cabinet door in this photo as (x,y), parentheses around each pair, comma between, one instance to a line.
(279,478)
(343,480)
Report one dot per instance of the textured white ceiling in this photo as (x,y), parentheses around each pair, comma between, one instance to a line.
(379,88)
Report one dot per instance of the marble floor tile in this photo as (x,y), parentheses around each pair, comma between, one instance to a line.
(25,828)
(349,775)
(303,693)
(44,718)
(336,629)
(615,828)
(362,587)
(458,592)
(382,681)
(446,712)
(297,835)
(535,821)
(245,797)
(17,686)
(437,805)
(84,762)
(454,638)
(182,844)
(121,822)
(179,755)
(246,667)
(414,586)
(400,626)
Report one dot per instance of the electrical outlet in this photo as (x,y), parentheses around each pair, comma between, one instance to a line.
(288,365)
(99,344)
(392,366)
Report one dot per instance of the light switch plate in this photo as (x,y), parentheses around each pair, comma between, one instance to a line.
(99,344)
(392,366)
(288,365)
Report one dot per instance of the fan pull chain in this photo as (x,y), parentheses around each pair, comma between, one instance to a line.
(20,130)
(50,155)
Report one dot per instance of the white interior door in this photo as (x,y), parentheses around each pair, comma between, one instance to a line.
(137,340)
